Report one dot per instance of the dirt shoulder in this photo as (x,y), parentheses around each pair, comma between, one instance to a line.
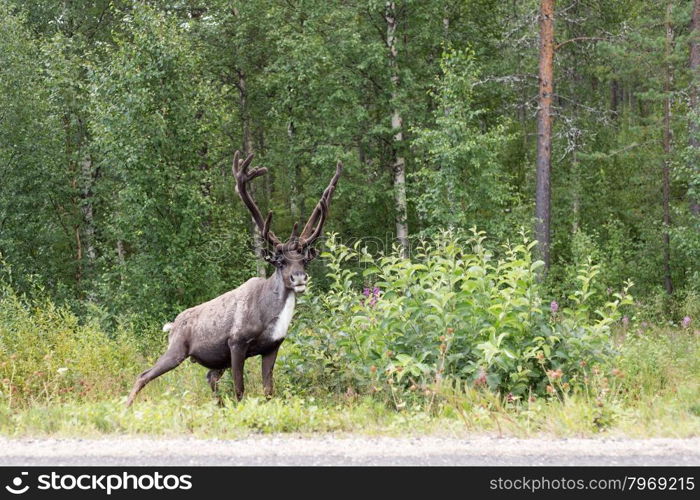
(348,450)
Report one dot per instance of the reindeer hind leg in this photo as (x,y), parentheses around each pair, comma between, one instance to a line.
(172,358)
(213,377)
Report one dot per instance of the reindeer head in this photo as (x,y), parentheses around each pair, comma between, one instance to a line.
(292,256)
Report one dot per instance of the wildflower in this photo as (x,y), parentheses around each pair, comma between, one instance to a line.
(373,369)
(554,307)
(555,374)
(510,398)
(550,389)
(625,321)
(617,373)
(372,294)
(686,322)
(480,378)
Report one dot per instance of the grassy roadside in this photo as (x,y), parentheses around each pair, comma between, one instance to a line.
(61,375)
(655,392)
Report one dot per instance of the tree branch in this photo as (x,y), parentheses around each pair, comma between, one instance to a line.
(577,39)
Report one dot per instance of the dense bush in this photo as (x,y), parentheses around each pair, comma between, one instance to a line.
(456,309)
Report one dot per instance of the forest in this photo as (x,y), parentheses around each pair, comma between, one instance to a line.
(520,201)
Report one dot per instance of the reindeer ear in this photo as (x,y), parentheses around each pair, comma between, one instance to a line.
(310,253)
(267,256)
(275,258)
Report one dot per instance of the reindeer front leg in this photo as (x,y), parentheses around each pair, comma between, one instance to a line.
(238,352)
(268,363)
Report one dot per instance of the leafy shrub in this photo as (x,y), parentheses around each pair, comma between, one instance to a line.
(47,355)
(455,309)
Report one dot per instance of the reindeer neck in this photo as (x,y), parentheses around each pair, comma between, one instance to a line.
(272,298)
(274,287)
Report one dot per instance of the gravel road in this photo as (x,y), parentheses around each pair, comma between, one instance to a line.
(349,450)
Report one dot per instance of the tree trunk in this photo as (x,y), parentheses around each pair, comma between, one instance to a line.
(258,243)
(544,133)
(576,194)
(398,163)
(121,259)
(88,175)
(295,192)
(86,207)
(668,284)
(694,126)
(614,96)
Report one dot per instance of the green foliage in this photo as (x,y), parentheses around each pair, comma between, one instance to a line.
(152,121)
(462,181)
(454,310)
(119,120)
(48,356)
(33,225)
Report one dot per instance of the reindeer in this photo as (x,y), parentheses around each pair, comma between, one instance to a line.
(252,319)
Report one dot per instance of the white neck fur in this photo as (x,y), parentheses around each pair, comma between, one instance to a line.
(279,330)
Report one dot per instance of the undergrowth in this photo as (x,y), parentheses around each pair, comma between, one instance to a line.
(457,340)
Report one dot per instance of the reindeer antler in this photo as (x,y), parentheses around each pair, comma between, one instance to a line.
(314,226)
(243,177)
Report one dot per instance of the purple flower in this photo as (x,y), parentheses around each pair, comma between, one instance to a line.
(686,322)
(625,321)
(554,306)
(372,294)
